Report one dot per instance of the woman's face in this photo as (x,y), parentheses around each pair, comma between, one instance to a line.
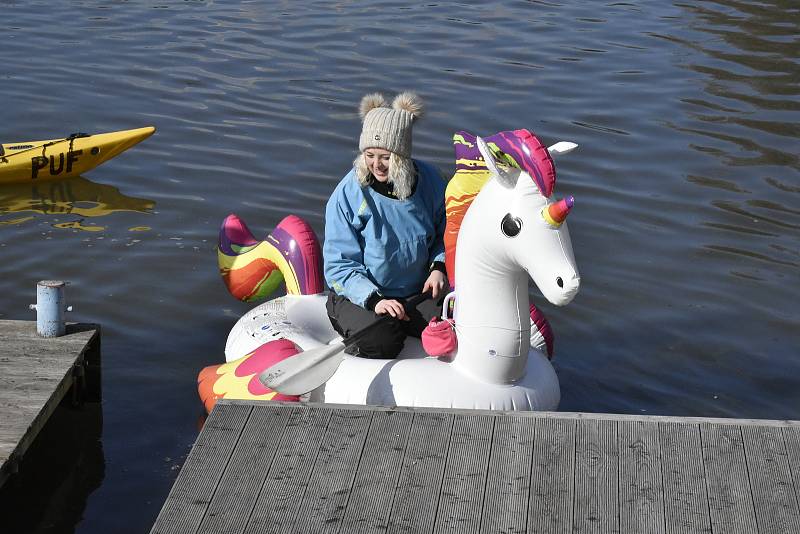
(378,162)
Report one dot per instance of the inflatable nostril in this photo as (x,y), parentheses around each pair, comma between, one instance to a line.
(560,282)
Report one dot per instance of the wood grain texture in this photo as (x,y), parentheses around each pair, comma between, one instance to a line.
(331,468)
(771,480)
(505,505)
(199,477)
(730,500)
(323,505)
(791,438)
(683,471)
(35,375)
(229,510)
(464,482)
(596,477)
(374,486)
(420,480)
(552,477)
(289,473)
(641,490)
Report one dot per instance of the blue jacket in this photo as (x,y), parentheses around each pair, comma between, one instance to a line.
(376,243)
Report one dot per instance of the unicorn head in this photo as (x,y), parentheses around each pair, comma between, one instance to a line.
(528,230)
(509,230)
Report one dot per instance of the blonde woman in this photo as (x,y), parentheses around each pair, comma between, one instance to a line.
(384,227)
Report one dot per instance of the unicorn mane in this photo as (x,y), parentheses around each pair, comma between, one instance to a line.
(516,148)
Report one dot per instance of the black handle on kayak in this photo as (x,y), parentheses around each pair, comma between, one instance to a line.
(356,336)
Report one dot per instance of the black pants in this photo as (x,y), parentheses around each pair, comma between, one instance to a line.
(386,339)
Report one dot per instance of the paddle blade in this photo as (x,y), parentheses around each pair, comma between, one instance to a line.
(304,371)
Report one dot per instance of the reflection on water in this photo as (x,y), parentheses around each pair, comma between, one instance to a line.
(73,196)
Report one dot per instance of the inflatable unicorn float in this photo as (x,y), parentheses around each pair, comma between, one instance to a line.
(502,229)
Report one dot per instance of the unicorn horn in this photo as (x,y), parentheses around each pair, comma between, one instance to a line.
(557,212)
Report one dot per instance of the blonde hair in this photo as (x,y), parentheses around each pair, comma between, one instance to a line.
(401,174)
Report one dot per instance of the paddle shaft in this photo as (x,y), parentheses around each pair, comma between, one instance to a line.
(310,369)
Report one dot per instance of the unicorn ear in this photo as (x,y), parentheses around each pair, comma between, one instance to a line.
(507,176)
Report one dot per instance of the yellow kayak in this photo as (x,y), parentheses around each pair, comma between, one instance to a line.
(64,158)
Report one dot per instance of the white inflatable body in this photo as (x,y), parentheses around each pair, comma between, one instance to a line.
(413,379)
(512,231)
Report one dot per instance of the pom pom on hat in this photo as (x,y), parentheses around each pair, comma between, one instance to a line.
(370,102)
(389,128)
(409,102)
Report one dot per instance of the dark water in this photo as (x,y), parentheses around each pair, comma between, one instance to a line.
(685,228)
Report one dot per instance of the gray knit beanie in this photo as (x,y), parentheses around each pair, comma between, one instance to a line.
(389,127)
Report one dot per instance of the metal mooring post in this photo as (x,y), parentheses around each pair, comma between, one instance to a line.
(50,308)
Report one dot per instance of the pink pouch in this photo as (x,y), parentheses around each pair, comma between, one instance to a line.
(439,337)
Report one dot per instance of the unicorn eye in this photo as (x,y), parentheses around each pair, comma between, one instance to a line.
(511,226)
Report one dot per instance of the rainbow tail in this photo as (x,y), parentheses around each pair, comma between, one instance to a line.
(253,269)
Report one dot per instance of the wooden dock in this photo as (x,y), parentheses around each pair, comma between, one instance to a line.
(35,375)
(274,467)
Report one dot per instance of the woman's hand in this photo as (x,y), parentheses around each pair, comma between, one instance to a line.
(435,283)
(392,307)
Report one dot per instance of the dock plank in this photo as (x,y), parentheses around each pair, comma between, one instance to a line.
(35,375)
(641,488)
(324,502)
(596,477)
(461,497)
(729,497)
(552,477)
(791,437)
(417,494)
(376,479)
(685,496)
(334,468)
(200,475)
(229,510)
(508,481)
(771,480)
(287,479)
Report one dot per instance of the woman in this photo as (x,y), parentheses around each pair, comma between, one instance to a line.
(384,224)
